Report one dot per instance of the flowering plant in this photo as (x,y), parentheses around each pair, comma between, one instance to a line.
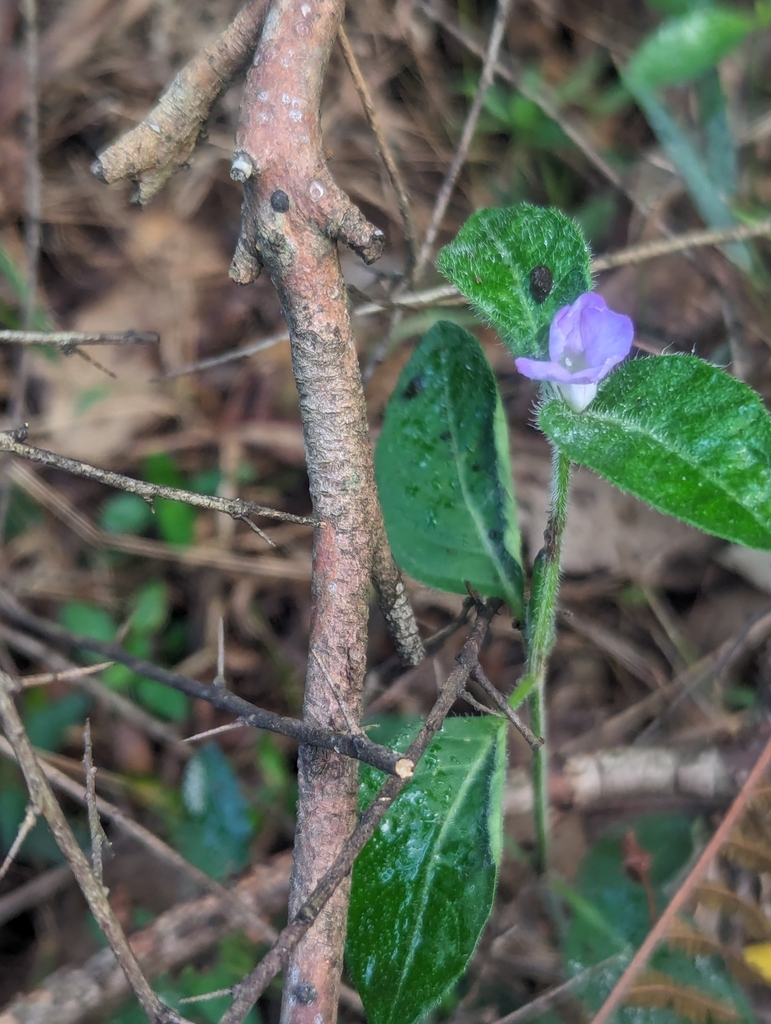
(586,341)
(675,431)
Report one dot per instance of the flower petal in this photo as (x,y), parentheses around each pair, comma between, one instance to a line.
(537,369)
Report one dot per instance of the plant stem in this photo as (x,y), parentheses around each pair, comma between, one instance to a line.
(539,637)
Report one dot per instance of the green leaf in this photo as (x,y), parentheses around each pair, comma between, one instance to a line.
(150,608)
(443,471)
(683,48)
(125,513)
(704,192)
(683,436)
(722,154)
(162,700)
(88,620)
(47,723)
(175,519)
(423,886)
(491,262)
(217,828)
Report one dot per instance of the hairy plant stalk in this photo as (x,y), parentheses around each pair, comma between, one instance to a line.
(539,637)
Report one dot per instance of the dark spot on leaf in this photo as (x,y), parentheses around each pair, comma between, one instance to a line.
(493,534)
(475,467)
(415,386)
(445,435)
(279,201)
(541,283)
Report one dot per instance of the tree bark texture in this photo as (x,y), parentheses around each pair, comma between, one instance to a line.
(293,213)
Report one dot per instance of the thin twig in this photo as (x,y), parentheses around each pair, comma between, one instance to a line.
(216,731)
(31,893)
(97,805)
(111,699)
(485,81)
(165,140)
(27,824)
(198,555)
(255,983)
(93,890)
(17,406)
(65,676)
(359,746)
(447,294)
(684,893)
(90,990)
(544,1002)
(536,95)
(533,741)
(391,166)
(98,838)
(678,243)
(67,341)
(237,508)
(227,357)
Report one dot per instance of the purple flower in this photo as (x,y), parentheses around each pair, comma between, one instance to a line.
(586,340)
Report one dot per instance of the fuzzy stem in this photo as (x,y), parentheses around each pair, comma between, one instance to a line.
(539,637)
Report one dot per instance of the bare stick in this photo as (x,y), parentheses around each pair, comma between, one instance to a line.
(679,243)
(143,547)
(96,806)
(98,837)
(44,799)
(237,508)
(544,1002)
(358,747)
(228,357)
(533,741)
(391,166)
(684,893)
(164,142)
(65,676)
(27,824)
(252,987)
(116,702)
(293,213)
(67,341)
(31,893)
(79,995)
(485,81)
(32,213)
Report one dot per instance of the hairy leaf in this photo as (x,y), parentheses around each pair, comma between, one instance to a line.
(443,471)
(423,886)
(683,436)
(519,266)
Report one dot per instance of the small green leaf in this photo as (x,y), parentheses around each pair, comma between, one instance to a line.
(683,48)
(150,608)
(493,257)
(683,436)
(162,700)
(444,474)
(47,725)
(704,192)
(125,513)
(423,886)
(217,828)
(88,620)
(175,520)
